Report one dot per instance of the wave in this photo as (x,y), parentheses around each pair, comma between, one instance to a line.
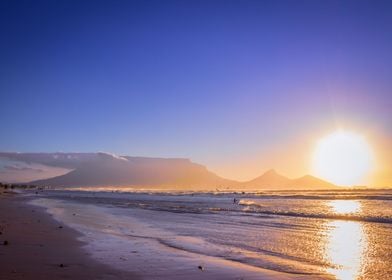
(341,194)
(258,208)
(256,205)
(330,197)
(259,258)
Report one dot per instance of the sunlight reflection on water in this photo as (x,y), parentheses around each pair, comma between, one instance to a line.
(346,242)
(345,206)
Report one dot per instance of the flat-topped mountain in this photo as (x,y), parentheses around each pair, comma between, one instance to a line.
(104,169)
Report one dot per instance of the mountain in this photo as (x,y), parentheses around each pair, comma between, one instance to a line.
(272,180)
(104,169)
(19,168)
(311,182)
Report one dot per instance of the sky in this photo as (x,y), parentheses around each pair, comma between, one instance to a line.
(240,86)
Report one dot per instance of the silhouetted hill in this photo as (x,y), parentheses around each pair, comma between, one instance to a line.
(311,182)
(272,180)
(104,169)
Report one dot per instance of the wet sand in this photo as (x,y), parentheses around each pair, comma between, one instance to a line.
(41,248)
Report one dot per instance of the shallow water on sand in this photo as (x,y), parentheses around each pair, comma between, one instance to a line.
(341,234)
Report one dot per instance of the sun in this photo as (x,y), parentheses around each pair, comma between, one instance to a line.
(343,158)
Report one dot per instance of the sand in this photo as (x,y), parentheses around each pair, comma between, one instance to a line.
(41,248)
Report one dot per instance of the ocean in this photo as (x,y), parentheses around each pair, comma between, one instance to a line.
(345,234)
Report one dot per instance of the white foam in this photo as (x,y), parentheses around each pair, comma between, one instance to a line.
(127,243)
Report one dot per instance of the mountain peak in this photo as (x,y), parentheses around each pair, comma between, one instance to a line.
(270,179)
(273,180)
(271,171)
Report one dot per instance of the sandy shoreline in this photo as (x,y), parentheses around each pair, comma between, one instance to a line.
(39,249)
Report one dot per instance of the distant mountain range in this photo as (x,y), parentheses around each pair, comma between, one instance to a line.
(104,169)
(272,180)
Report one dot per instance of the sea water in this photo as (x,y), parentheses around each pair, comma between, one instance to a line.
(344,234)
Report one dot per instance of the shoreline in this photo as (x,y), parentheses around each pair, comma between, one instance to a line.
(45,244)
(39,247)
(126,241)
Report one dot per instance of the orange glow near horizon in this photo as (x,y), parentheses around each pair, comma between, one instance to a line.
(353,158)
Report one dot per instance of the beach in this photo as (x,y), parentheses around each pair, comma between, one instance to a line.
(142,235)
(41,248)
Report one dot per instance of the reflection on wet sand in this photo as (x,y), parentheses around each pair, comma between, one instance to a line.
(346,243)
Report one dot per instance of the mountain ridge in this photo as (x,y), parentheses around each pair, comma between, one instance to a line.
(106,169)
(273,180)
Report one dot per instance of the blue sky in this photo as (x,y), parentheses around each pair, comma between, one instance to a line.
(225,83)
